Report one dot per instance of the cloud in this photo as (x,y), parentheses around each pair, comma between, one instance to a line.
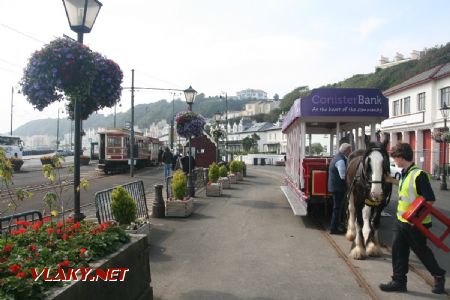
(369,26)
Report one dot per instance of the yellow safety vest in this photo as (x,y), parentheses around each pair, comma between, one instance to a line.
(407,193)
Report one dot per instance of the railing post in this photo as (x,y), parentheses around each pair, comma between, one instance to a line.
(158,207)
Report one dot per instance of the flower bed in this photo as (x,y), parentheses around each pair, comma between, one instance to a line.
(51,245)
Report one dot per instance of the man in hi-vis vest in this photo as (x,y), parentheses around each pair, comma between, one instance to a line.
(413,183)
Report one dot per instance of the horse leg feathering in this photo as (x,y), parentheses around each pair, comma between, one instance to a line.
(350,234)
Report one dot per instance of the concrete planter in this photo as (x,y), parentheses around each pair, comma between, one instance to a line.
(233,178)
(136,284)
(239,176)
(214,190)
(179,208)
(143,229)
(225,181)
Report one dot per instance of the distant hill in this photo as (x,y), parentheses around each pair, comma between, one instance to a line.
(144,115)
(382,79)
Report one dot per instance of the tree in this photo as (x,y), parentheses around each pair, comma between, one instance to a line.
(247,143)
(276,97)
(316,149)
(289,98)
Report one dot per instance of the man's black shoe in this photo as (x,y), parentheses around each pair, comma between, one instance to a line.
(393,286)
(336,231)
(439,285)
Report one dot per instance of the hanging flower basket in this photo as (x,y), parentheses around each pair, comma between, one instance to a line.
(190,124)
(441,136)
(217,133)
(67,68)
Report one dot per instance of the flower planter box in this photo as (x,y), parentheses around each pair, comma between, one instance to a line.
(136,284)
(225,181)
(143,229)
(233,178)
(179,208)
(214,190)
(47,162)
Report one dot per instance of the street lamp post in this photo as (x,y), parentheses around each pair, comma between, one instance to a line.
(57,133)
(81,15)
(190,94)
(444,111)
(226,127)
(217,116)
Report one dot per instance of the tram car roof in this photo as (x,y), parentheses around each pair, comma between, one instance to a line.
(118,131)
(324,107)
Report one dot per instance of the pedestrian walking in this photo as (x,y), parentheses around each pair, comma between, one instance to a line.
(336,185)
(167,159)
(413,183)
(185,163)
(175,161)
(160,154)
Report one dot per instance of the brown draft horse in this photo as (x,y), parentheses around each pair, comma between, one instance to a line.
(368,194)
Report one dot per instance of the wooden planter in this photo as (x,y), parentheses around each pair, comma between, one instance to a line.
(179,208)
(225,181)
(136,284)
(233,178)
(214,189)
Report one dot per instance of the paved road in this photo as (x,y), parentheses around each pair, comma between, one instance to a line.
(247,244)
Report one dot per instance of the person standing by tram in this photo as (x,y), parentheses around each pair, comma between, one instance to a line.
(413,183)
(336,185)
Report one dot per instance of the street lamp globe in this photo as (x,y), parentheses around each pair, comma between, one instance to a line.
(82,14)
(190,94)
(217,116)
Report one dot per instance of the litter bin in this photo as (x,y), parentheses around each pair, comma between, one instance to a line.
(255,161)
(263,161)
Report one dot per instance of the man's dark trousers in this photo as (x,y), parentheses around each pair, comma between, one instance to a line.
(338,199)
(406,237)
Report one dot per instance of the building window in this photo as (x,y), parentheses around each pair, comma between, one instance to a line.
(445,96)
(421,102)
(407,105)
(396,108)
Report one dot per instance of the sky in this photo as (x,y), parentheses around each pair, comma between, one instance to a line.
(220,46)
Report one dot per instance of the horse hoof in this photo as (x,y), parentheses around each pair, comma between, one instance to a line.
(373,250)
(350,236)
(358,253)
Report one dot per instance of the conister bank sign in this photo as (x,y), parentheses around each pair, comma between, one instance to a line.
(345,102)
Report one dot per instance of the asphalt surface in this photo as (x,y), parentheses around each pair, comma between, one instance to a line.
(247,244)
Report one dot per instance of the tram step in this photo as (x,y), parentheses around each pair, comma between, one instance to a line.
(297,206)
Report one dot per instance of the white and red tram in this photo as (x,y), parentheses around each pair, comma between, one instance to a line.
(114,150)
(341,113)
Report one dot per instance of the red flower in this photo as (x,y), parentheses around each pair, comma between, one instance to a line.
(60,224)
(18,231)
(32,247)
(7,248)
(58,231)
(64,237)
(23,223)
(21,275)
(83,252)
(75,226)
(47,219)
(37,225)
(65,263)
(49,230)
(69,219)
(14,268)
(37,254)
(3,259)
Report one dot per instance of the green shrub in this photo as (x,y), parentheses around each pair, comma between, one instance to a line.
(223,171)
(179,181)
(123,207)
(234,166)
(213,173)
(240,166)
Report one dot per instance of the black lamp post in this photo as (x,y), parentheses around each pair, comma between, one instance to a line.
(217,116)
(190,94)
(226,126)
(81,15)
(444,111)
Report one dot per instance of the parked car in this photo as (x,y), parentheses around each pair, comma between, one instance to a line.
(396,172)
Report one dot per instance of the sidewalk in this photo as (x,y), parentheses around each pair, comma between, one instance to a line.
(247,244)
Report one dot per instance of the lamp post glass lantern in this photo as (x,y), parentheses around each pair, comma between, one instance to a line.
(190,94)
(444,111)
(81,15)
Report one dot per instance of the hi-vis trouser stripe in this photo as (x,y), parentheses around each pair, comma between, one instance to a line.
(408,193)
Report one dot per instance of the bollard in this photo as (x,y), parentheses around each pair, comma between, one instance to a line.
(158,207)
(205,176)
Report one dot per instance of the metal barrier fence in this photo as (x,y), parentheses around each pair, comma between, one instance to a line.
(103,201)
(29,216)
(199,178)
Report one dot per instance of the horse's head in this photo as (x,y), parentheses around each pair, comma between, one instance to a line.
(375,167)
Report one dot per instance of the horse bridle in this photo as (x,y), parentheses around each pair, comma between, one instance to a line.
(364,174)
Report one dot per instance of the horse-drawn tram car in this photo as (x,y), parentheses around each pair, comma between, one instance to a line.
(342,114)
(114,150)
